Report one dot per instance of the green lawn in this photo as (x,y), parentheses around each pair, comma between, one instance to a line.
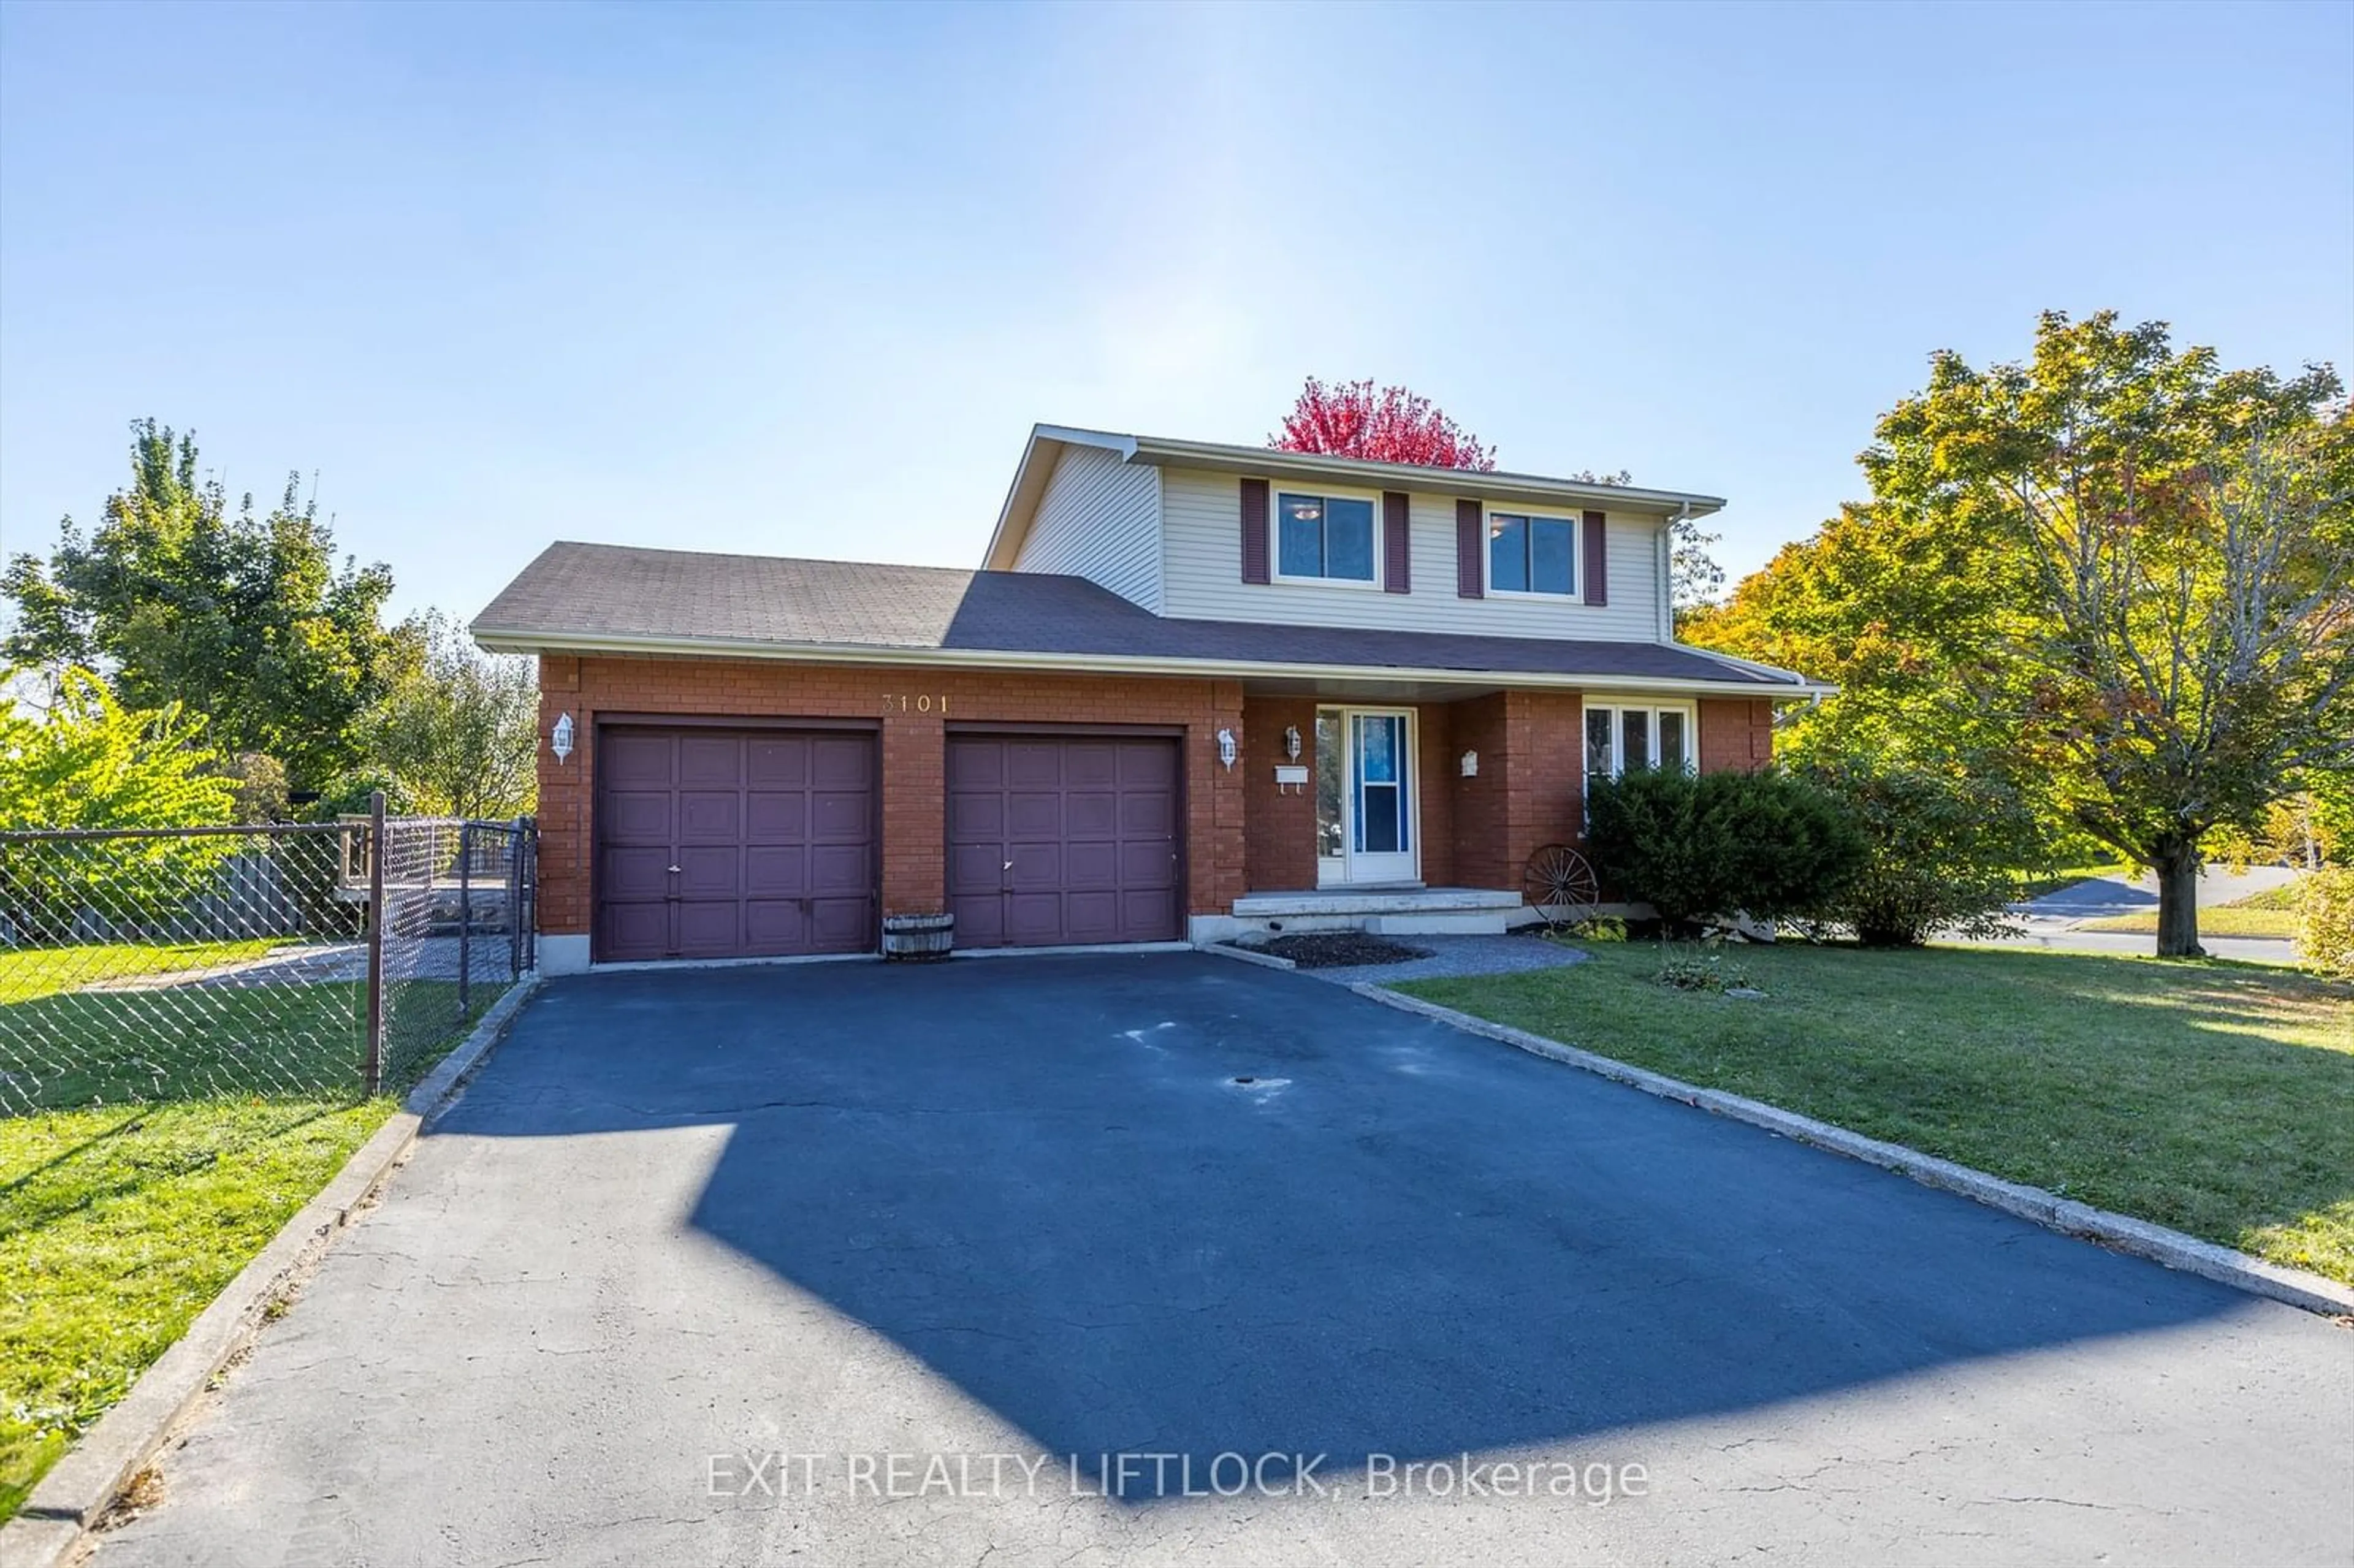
(175,1131)
(2223,920)
(2288,895)
(2042,883)
(2215,1098)
(118,1226)
(44,972)
(109,1047)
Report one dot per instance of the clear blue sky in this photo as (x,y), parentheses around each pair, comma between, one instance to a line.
(796,280)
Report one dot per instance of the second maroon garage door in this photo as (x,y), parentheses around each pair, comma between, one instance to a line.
(718,843)
(1055,839)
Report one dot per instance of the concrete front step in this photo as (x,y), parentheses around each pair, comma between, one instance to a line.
(1373,901)
(1389,912)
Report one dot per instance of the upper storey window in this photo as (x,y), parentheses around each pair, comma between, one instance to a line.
(1327,538)
(1527,554)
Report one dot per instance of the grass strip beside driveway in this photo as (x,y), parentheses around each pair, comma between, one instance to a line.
(2217,1100)
(119,1225)
(178,1137)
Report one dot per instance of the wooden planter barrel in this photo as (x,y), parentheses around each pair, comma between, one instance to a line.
(917,938)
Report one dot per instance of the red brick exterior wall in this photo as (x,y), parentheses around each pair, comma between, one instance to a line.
(1279,828)
(1241,834)
(1735,732)
(914,708)
(1435,788)
(1527,793)
(1481,819)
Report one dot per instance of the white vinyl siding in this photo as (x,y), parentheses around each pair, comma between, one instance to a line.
(1201,575)
(1097,520)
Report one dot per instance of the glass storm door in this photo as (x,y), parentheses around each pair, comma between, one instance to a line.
(1365,803)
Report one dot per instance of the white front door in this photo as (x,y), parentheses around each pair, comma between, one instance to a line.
(1364,796)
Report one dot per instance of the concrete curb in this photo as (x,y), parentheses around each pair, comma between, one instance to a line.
(2121,1231)
(431,1096)
(79,1489)
(1245,956)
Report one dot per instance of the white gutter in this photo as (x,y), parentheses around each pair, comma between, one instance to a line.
(515,641)
(1771,671)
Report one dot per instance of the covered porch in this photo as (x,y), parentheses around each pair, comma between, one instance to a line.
(1411,809)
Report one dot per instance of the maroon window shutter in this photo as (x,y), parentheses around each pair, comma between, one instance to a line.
(1397,554)
(1471,538)
(1255,531)
(1598,560)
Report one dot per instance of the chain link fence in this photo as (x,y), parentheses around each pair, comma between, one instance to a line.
(314,961)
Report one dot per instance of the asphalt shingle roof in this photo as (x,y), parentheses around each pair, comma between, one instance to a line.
(580,592)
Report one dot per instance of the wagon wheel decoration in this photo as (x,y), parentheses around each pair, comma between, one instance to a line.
(1560,883)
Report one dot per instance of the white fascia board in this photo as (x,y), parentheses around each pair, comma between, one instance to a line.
(1775,672)
(1406,476)
(502,640)
(1037,466)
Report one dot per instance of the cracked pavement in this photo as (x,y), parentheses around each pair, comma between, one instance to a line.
(689,1227)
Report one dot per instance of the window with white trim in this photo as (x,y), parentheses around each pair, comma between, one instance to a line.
(1529,554)
(1324,538)
(1621,735)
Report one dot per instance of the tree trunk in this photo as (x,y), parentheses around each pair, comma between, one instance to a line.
(2177,864)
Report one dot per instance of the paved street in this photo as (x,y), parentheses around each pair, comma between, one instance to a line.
(2052,921)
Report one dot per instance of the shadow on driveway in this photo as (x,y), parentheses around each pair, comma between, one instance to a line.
(1179,1205)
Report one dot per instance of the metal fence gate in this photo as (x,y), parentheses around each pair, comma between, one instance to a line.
(305,961)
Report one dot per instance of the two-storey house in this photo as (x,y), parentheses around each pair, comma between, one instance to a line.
(1194,688)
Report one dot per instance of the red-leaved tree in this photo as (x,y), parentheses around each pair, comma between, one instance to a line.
(1349,419)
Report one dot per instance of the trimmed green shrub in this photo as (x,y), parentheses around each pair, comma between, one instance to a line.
(1942,850)
(1767,845)
(2326,920)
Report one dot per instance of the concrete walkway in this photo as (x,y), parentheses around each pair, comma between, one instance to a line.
(488,959)
(814,1264)
(1457,956)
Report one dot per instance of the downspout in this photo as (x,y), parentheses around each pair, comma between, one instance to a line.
(1667,572)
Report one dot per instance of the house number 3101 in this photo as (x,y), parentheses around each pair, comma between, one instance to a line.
(922,704)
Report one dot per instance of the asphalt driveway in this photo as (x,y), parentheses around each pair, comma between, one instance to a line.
(816,1262)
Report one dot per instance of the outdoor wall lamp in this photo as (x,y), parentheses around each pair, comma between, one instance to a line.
(1471,765)
(559,739)
(1291,741)
(1226,752)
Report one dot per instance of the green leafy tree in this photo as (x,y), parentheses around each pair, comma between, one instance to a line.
(1695,578)
(1943,846)
(462,731)
(90,762)
(242,616)
(2116,572)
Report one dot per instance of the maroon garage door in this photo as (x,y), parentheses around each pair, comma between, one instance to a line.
(1063,839)
(719,843)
